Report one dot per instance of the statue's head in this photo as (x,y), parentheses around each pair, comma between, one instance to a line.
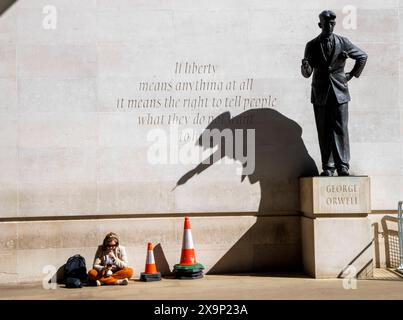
(327,21)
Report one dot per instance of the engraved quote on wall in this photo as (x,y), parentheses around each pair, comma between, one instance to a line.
(192,96)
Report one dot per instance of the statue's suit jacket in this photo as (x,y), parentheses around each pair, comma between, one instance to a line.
(328,73)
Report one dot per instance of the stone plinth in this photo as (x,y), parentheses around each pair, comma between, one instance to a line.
(335,229)
(335,195)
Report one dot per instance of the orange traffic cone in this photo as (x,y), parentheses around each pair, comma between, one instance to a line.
(188,256)
(188,267)
(150,273)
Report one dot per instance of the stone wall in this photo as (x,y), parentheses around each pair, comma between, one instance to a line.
(76,131)
(227,244)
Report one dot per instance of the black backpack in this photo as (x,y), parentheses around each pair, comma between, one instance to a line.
(75,272)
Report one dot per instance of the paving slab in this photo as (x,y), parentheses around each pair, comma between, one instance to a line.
(219,287)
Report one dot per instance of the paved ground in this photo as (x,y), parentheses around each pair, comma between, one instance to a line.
(386,286)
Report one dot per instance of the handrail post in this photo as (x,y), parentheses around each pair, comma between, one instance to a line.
(400,229)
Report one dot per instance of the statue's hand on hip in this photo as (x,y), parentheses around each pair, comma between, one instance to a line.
(348,76)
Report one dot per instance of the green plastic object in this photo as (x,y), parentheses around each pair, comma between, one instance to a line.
(150,276)
(182,267)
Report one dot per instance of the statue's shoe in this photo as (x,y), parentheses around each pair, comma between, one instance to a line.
(327,173)
(343,172)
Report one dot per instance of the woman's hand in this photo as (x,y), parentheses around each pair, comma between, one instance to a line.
(108,271)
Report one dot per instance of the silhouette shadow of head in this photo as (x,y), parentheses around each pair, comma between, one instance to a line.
(273,155)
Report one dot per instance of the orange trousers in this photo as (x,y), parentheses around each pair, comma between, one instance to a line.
(93,274)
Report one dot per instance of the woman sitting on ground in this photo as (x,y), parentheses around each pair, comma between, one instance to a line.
(110,263)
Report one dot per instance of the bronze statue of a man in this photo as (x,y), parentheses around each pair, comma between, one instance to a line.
(326,56)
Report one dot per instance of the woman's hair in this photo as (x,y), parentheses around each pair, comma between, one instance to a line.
(110,237)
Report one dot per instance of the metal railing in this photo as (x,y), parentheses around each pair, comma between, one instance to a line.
(400,229)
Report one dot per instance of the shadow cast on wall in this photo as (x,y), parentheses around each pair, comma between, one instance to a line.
(280,158)
(161,261)
(5,5)
(391,238)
